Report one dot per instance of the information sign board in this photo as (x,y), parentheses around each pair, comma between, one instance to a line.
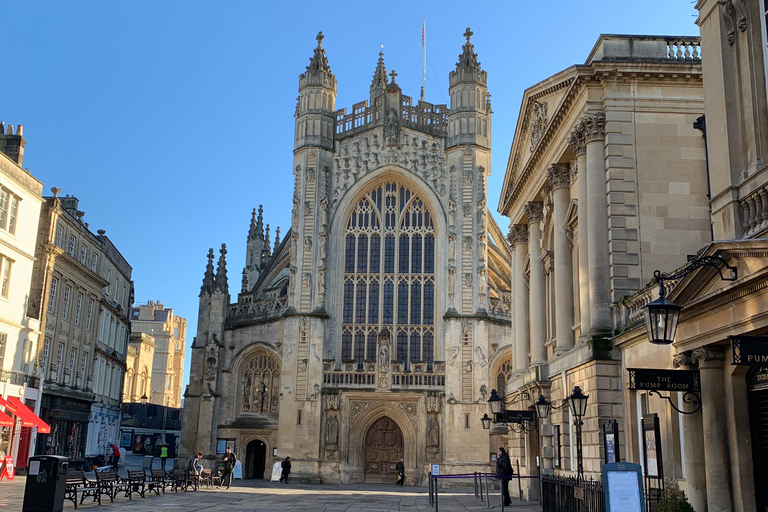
(664,380)
(277,472)
(623,487)
(749,350)
(435,469)
(237,472)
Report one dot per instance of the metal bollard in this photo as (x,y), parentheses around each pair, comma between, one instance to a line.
(474,481)
(436,494)
(487,496)
(431,497)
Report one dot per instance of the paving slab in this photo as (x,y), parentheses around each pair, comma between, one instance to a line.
(263,496)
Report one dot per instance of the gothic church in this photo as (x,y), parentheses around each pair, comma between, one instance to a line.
(377,327)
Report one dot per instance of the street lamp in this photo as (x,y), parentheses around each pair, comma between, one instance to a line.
(661,315)
(577,402)
(144,399)
(518,421)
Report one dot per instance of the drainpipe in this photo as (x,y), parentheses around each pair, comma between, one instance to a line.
(701,124)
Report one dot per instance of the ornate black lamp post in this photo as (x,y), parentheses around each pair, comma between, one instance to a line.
(144,399)
(577,402)
(661,315)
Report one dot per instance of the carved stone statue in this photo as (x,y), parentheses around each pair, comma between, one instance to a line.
(433,433)
(332,432)
(392,128)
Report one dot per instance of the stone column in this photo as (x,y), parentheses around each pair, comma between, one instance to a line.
(559,176)
(512,288)
(534,210)
(693,436)
(597,222)
(713,418)
(577,141)
(520,360)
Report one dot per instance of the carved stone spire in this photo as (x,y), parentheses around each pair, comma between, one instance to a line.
(379,82)
(256,231)
(208,282)
(265,255)
(468,57)
(277,238)
(319,62)
(220,281)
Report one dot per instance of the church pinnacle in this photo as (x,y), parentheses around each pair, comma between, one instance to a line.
(221,283)
(208,278)
(319,62)
(256,231)
(468,57)
(379,82)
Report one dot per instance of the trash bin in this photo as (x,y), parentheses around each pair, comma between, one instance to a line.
(148,460)
(46,483)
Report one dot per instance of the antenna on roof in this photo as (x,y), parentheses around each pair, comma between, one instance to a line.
(424,51)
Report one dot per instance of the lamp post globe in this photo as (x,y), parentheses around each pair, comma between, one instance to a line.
(661,317)
(542,407)
(495,403)
(578,402)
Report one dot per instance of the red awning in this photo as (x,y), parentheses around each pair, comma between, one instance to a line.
(5,421)
(28,417)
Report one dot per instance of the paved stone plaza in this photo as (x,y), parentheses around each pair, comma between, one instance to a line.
(261,495)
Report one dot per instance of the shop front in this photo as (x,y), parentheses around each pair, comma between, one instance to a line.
(68,419)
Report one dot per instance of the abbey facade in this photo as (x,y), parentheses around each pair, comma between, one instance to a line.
(375,329)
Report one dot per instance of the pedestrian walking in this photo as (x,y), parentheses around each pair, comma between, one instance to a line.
(115,455)
(286,465)
(229,461)
(163,455)
(400,467)
(504,472)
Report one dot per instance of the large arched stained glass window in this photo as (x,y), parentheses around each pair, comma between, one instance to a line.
(389,277)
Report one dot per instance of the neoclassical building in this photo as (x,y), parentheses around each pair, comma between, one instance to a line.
(376,327)
(606,182)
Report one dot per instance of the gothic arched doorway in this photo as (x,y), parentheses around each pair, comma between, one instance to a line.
(255,459)
(383,448)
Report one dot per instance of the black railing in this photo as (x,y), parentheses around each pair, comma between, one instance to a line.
(18,378)
(566,495)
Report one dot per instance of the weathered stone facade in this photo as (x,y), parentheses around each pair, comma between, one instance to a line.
(606,182)
(373,329)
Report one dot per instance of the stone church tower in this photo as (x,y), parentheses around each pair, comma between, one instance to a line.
(378,326)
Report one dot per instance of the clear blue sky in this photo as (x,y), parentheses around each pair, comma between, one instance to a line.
(171,120)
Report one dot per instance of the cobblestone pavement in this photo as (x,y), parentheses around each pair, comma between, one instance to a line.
(263,496)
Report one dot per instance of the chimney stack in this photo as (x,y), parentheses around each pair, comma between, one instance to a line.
(12,144)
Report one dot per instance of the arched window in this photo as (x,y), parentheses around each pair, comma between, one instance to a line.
(502,376)
(389,281)
(261,384)
(144,380)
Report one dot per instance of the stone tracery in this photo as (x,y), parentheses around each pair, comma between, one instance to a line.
(261,384)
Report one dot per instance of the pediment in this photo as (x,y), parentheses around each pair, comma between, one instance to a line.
(750,257)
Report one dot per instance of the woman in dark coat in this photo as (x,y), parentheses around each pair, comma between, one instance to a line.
(286,465)
(504,472)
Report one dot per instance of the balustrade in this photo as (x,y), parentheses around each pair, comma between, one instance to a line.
(684,49)
(424,116)
(754,212)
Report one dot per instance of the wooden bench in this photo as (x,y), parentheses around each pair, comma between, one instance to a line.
(157,480)
(77,483)
(135,483)
(110,484)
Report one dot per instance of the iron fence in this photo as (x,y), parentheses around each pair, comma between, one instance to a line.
(561,494)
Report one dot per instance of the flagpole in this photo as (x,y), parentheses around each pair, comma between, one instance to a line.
(424,51)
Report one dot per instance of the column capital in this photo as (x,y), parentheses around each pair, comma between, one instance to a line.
(518,234)
(577,139)
(594,126)
(682,360)
(559,176)
(534,210)
(702,355)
